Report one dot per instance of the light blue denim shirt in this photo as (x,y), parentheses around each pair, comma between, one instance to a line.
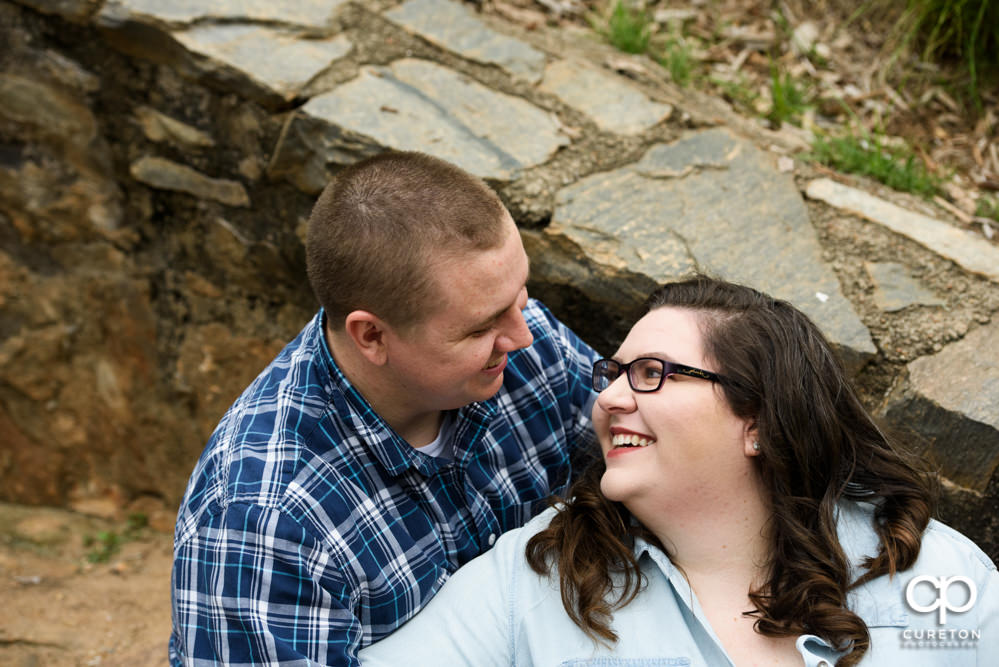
(497,611)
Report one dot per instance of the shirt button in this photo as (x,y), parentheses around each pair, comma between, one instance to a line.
(823,663)
(492,539)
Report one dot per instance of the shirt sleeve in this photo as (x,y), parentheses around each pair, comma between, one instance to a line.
(252,586)
(469,622)
(987,607)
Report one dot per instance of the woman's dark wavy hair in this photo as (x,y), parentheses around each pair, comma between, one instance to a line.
(818,446)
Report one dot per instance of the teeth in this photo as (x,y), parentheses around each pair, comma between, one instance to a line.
(630,440)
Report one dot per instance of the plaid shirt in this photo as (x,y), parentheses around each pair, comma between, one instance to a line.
(309,529)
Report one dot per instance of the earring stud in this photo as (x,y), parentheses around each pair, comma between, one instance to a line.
(756,446)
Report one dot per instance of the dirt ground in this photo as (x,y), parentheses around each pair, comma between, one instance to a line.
(59,608)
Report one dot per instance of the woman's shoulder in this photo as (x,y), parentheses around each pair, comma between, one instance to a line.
(507,553)
(517,538)
(943,546)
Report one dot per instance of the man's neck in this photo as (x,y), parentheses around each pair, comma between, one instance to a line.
(416,427)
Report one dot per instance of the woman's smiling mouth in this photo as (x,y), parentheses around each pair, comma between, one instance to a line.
(630,440)
(622,438)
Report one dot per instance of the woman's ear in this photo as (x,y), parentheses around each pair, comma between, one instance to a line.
(751,439)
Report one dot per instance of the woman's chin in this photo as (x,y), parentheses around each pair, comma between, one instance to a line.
(615,485)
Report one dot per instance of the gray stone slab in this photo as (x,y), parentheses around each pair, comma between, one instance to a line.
(164,174)
(419,105)
(711,202)
(311,13)
(612,103)
(952,399)
(277,61)
(455,27)
(965,249)
(895,289)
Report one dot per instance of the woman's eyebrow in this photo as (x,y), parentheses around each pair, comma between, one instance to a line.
(663,356)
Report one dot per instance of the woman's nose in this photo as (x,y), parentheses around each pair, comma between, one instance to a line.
(618,396)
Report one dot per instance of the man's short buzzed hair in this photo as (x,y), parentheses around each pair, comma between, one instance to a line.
(377,229)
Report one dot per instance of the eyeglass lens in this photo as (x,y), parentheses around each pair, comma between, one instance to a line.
(643,374)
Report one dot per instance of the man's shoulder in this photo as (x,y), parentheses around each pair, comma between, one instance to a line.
(317,487)
(288,428)
(287,398)
(302,367)
(291,454)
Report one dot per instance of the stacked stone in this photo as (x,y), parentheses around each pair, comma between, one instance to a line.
(158,159)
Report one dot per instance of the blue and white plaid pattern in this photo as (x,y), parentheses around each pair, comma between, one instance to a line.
(309,529)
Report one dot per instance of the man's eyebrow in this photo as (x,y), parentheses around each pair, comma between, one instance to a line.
(486,321)
(494,317)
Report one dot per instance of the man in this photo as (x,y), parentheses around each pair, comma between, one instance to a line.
(428,407)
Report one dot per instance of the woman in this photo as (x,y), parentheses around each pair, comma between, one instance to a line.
(746,511)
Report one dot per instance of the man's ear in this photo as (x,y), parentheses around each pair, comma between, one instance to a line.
(367,332)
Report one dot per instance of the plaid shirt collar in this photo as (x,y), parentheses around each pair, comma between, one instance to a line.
(386,446)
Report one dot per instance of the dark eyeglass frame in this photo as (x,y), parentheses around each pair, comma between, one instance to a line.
(668,368)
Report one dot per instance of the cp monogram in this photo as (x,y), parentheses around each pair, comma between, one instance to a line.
(943,603)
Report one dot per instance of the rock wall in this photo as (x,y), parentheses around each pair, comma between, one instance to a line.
(140,288)
(158,161)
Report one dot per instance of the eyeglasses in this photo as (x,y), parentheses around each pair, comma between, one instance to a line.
(645,374)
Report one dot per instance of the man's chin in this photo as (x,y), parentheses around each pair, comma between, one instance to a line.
(488,388)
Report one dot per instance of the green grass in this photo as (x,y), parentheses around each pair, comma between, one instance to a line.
(678,61)
(626,28)
(740,93)
(898,168)
(959,28)
(106,543)
(102,546)
(960,31)
(988,207)
(630,29)
(789,98)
